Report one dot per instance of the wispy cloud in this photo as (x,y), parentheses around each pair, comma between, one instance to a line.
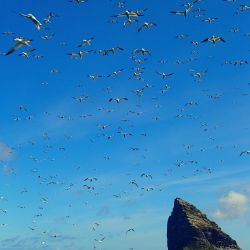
(5,152)
(232,205)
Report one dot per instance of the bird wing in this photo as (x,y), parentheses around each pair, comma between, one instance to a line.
(37,23)
(140,28)
(205,40)
(177,12)
(222,39)
(23,15)
(119,15)
(12,49)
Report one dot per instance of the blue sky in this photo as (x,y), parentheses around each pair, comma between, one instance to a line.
(188,138)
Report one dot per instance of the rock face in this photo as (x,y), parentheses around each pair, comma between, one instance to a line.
(189,229)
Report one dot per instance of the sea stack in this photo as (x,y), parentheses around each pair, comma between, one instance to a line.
(190,229)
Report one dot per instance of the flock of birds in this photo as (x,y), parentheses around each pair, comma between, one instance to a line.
(142,183)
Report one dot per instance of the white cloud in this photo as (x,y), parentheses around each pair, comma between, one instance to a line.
(8,170)
(247,188)
(232,205)
(5,152)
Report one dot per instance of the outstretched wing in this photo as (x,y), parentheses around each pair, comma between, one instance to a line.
(15,47)
(222,39)
(205,40)
(140,28)
(177,12)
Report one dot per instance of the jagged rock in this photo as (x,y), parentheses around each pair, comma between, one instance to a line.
(189,229)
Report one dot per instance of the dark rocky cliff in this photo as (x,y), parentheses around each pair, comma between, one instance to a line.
(189,229)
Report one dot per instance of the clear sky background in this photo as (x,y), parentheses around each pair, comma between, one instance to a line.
(187,136)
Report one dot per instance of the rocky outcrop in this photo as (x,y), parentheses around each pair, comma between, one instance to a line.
(189,229)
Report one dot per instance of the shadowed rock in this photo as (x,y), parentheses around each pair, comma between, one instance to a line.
(189,229)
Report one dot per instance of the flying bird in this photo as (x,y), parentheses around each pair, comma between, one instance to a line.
(185,12)
(163,74)
(100,240)
(146,25)
(26,53)
(129,14)
(214,39)
(247,152)
(118,99)
(86,42)
(130,230)
(33,19)
(147,175)
(142,51)
(78,1)
(20,42)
